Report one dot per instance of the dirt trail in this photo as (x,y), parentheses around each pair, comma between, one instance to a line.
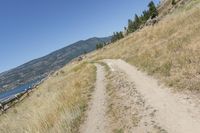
(170,110)
(96,117)
(128,111)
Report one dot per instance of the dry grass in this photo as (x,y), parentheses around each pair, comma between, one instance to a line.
(170,50)
(56,106)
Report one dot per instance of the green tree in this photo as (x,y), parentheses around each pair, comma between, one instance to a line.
(113,39)
(130,26)
(99,46)
(137,22)
(120,35)
(173,2)
(152,10)
(145,16)
(117,36)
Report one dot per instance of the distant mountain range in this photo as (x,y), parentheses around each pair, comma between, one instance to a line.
(41,67)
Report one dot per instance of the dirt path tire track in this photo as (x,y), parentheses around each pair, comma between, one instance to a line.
(172,114)
(128,111)
(96,116)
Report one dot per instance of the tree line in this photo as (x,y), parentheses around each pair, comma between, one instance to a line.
(134,24)
(100,45)
(117,36)
(137,22)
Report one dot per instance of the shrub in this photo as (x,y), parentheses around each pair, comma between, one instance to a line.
(173,2)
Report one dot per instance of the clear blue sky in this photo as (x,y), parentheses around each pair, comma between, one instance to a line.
(33,28)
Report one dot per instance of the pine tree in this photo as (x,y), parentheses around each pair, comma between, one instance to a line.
(117,36)
(120,35)
(113,37)
(97,46)
(146,15)
(173,2)
(131,26)
(152,10)
(137,22)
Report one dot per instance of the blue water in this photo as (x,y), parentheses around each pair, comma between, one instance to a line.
(19,89)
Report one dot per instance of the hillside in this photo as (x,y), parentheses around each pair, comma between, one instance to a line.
(147,82)
(168,50)
(43,66)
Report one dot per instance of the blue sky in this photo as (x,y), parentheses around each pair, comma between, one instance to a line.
(33,28)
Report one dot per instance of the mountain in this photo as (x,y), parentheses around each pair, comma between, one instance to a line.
(41,67)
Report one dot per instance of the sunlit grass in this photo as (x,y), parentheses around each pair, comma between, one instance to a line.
(170,50)
(57,106)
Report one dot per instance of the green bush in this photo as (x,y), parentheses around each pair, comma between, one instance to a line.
(173,2)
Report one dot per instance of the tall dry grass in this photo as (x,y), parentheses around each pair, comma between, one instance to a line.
(169,50)
(57,106)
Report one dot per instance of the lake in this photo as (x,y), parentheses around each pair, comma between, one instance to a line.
(19,89)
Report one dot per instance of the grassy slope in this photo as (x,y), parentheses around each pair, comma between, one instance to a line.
(56,106)
(170,50)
